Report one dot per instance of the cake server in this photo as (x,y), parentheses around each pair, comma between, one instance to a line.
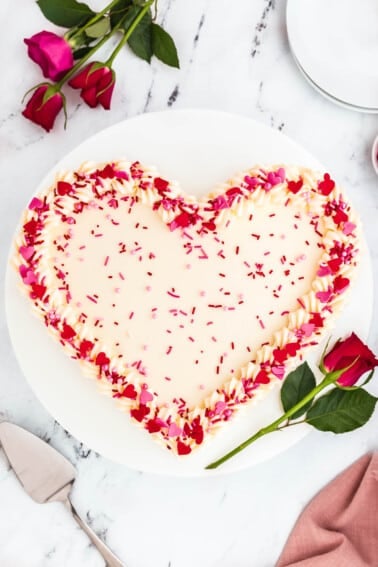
(46,476)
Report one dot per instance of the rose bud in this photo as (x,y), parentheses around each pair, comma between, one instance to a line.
(51,52)
(350,352)
(44,106)
(96,82)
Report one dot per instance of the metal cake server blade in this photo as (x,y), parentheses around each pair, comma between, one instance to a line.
(46,476)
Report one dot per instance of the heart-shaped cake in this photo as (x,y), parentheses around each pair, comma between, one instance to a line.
(187,309)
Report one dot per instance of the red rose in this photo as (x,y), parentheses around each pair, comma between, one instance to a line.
(51,52)
(344,353)
(44,106)
(96,82)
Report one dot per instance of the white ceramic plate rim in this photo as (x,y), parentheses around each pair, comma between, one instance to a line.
(58,382)
(341,100)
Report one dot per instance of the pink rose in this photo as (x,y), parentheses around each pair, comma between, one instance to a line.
(44,106)
(51,52)
(344,353)
(96,82)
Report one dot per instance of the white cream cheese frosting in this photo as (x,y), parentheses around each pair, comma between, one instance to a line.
(186,309)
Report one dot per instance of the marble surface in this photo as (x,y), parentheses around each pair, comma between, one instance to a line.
(235,59)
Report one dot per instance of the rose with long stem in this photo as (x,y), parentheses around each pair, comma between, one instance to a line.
(342,408)
(48,100)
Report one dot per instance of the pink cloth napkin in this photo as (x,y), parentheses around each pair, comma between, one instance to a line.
(339,528)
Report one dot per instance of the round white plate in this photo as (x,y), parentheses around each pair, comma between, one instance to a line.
(335,44)
(200,149)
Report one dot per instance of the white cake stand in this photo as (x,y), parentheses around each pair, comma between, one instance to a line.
(200,149)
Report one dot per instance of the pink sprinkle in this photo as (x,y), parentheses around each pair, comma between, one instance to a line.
(301,258)
(91,299)
(220,407)
(174,430)
(307,329)
(29,277)
(323,271)
(348,228)
(26,252)
(131,315)
(169,350)
(117,290)
(214,339)
(106,261)
(145,396)
(148,288)
(35,203)
(121,276)
(202,293)
(261,324)
(278,371)
(323,296)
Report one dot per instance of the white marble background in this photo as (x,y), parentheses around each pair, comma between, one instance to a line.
(234,57)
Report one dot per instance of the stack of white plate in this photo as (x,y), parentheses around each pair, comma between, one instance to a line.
(335,45)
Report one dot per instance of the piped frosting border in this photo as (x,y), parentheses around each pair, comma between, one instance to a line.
(179,427)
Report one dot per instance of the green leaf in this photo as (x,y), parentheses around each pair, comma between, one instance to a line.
(140,40)
(368,378)
(164,47)
(79,53)
(65,13)
(98,29)
(118,11)
(297,385)
(341,410)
